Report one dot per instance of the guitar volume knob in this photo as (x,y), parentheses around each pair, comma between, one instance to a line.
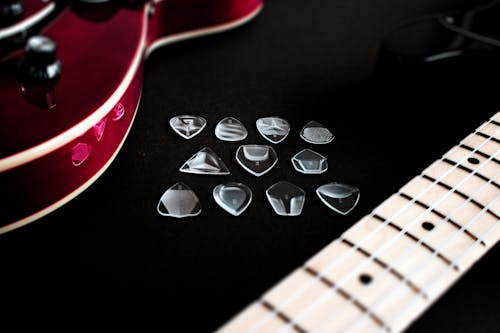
(39,71)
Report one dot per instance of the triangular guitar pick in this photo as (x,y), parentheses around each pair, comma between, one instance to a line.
(230,129)
(205,162)
(273,129)
(187,126)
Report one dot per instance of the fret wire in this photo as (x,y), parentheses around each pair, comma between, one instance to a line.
(484,135)
(325,296)
(424,262)
(480,153)
(460,166)
(462,195)
(435,212)
(334,263)
(472,247)
(423,244)
(384,265)
(350,298)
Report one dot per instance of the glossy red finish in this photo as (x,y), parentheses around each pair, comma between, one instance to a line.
(91,71)
(46,180)
(173,17)
(49,156)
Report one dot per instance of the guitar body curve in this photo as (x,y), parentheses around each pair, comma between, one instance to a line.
(49,156)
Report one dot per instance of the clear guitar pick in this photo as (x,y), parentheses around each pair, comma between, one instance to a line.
(286,198)
(316,133)
(256,159)
(234,198)
(339,197)
(230,129)
(187,126)
(310,162)
(205,162)
(273,129)
(179,201)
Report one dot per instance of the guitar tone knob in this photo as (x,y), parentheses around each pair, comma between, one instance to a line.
(11,11)
(39,71)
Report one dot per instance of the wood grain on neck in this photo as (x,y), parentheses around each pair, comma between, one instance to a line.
(384,271)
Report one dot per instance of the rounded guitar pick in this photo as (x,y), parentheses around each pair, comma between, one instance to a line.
(179,201)
(205,162)
(339,197)
(234,198)
(230,129)
(309,162)
(273,129)
(286,198)
(187,126)
(314,132)
(256,159)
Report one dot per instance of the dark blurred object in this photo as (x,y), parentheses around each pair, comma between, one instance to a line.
(441,36)
(453,56)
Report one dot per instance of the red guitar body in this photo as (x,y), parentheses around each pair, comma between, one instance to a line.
(48,155)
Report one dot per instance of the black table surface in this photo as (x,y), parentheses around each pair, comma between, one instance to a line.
(301,60)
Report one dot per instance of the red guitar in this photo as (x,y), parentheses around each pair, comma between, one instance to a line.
(66,110)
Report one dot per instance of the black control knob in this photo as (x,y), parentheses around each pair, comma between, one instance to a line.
(40,63)
(11,11)
(39,71)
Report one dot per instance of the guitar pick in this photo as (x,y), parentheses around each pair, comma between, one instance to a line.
(286,198)
(309,162)
(234,198)
(339,197)
(187,126)
(314,132)
(256,159)
(230,129)
(273,129)
(80,152)
(179,201)
(205,162)
(99,129)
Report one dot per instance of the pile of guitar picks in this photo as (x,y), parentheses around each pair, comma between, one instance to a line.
(285,198)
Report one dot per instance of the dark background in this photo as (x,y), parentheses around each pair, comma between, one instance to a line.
(301,60)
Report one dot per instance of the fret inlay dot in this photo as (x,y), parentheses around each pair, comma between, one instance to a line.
(473,160)
(428,226)
(365,279)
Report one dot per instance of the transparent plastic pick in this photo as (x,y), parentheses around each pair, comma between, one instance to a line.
(316,133)
(187,126)
(273,129)
(234,198)
(256,159)
(205,162)
(286,198)
(179,201)
(341,198)
(309,162)
(230,129)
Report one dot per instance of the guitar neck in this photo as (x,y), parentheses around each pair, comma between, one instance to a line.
(383,272)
